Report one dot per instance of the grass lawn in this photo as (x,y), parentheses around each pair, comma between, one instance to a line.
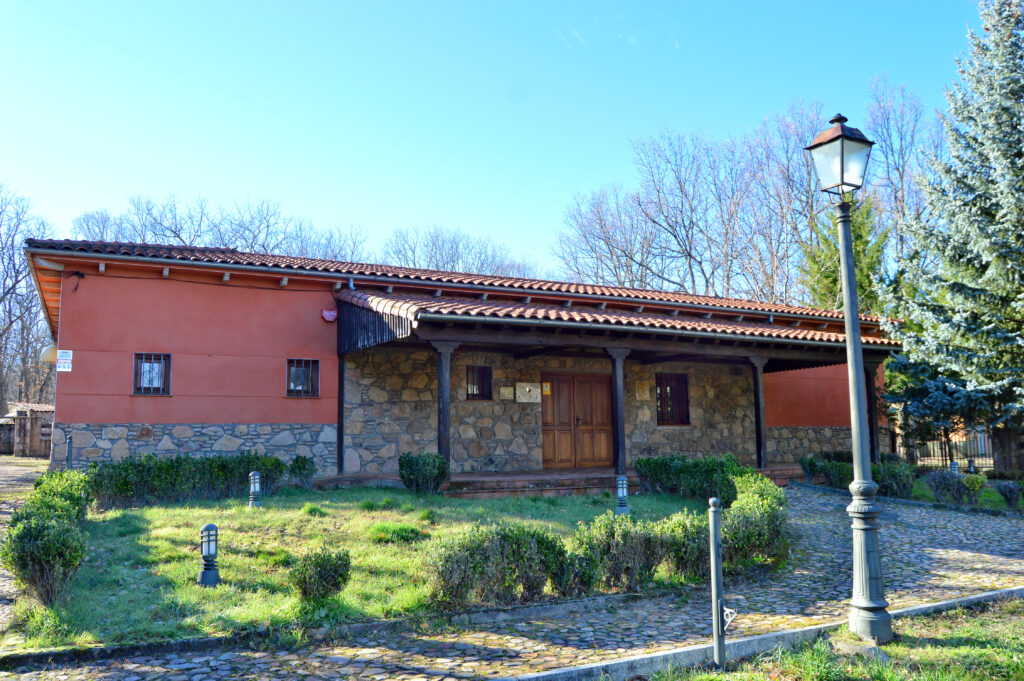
(962,645)
(138,581)
(989,497)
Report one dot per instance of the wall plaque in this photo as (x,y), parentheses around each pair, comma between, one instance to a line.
(507,392)
(527,392)
(643,390)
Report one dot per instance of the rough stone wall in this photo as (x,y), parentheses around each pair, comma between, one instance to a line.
(116,441)
(788,444)
(721,411)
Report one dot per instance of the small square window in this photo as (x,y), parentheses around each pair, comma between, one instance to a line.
(303,378)
(673,400)
(152,375)
(478,383)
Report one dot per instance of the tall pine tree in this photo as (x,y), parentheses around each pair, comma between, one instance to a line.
(819,268)
(960,292)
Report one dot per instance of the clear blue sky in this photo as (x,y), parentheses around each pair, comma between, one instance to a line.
(483,116)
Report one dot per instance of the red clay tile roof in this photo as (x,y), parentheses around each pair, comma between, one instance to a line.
(230,256)
(412,306)
(13,407)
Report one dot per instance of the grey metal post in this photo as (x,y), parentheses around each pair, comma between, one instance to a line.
(868,615)
(618,356)
(760,425)
(717,595)
(67,449)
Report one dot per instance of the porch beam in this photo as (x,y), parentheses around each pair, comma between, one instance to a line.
(534,352)
(690,357)
(760,423)
(618,356)
(444,398)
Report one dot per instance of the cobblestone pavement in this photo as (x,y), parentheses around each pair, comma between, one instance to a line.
(16,478)
(928,555)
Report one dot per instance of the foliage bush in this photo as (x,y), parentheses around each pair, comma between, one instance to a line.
(505,563)
(839,455)
(423,473)
(1009,490)
(947,486)
(837,473)
(67,488)
(628,550)
(698,479)
(755,525)
(321,574)
(43,552)
(395,533)
(302,469)
(147,479)
(810,466)
(974,484)
(894,479)
(309,508)
(577,574)
(686,538)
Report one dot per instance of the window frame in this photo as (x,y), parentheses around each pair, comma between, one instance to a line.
(667,416)
(141,358)
(312,390)
(482,376)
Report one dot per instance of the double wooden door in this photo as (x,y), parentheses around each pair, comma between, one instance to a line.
(576,420)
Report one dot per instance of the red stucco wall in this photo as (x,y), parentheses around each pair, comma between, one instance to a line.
(229,345)
(810,397)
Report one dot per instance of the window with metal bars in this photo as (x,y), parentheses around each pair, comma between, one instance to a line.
(152,374)
(673,400)
(303,378)
(478,383)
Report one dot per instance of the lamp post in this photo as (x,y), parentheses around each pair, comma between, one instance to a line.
(622,490)
(209,575)
(254,490)
(840,156)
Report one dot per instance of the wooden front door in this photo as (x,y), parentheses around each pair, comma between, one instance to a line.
(576,420)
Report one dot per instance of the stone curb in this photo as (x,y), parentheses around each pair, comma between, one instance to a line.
(740,648)
(920,504)
(62,656)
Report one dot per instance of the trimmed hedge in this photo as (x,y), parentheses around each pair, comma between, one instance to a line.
(627,550)
(692,478)
(423,473)
(1009,490)
(302,469)
(321,574)
(44,546)
(147,479)
(894,479)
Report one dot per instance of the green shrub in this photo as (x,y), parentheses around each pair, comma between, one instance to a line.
(312,509)
(840,455)
(1009,490)
(147,479)
(43,553)
(321,574)
(576,574)
(699,479)
(755,525)
(69,489)
(837,473)
(505,563)
(687,543)
(947,486)
(395,533)
(894,479)
(428,515)
(302,468)
(974,484)
(810,466)
(37,505)
(628,550)
(423,473)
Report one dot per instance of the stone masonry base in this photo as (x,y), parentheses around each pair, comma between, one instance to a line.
(116,441)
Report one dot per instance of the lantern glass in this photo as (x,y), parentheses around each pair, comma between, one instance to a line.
(840,156)
(254,482)
(208,541)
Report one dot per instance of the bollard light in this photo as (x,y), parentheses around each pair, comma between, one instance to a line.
(209,575)
(954,466)
(254,490)
(622,486)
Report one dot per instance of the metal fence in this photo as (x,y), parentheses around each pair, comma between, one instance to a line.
(975,447)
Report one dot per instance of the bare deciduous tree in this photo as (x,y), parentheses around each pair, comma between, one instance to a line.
(441,248)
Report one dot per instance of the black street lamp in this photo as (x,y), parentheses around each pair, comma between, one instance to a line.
(209,575)
(254,490)
(840,155)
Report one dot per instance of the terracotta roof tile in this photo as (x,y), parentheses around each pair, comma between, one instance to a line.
(412,306)
(230,256)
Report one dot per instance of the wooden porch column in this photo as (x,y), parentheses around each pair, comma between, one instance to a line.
(871,371)
(444,398)
(618,356)
(760,425)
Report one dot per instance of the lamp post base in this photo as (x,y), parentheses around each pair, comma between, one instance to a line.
(209,577)
(869,618)
(255,502)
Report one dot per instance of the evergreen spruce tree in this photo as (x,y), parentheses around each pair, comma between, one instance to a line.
(819,268)
(960,292)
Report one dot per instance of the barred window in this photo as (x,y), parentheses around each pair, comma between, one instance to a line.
(673,400)
(303,378)
(152,374)
(478,383)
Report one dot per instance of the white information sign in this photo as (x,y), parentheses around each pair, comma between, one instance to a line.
(527,392)
(64,360)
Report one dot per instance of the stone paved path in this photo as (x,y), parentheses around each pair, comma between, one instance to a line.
(16,478)
(928,555)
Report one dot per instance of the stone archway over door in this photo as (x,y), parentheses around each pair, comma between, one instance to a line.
(576,420)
